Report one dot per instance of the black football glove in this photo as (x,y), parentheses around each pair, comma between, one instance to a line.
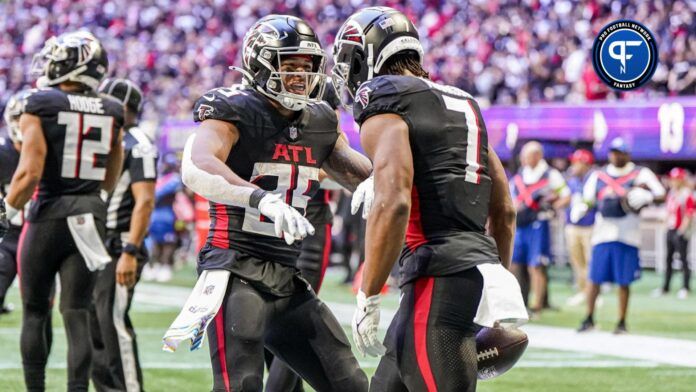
(4,223)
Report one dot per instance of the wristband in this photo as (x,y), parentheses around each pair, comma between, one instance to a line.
(256,197)
(130,249)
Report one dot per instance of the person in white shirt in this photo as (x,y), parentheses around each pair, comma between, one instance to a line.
(537,191)
(619,191)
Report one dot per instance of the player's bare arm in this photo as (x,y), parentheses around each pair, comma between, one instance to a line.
(346,166)
(501,210)
(386,142)
(213,142)
(114,164)
(144,196)
(31,162)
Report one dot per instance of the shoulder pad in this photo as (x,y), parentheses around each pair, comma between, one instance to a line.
(226,104)
(44,101)
(384,94)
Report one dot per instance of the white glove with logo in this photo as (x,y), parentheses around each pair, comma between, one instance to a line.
(365,325)
(287,220)
(639,197)
(364,194)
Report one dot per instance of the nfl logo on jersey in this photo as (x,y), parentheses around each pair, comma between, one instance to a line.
(292,132)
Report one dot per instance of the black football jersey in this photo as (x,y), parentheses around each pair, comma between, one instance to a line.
(318,209)
(451,184)
(80,130)
(277,154)
(139,164)
(9,159)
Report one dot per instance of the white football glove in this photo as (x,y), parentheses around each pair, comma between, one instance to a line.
(639,197)
(286,219)
(577,211)
(364,194)
(366,324)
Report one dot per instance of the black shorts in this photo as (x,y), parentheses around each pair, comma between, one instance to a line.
(431,342)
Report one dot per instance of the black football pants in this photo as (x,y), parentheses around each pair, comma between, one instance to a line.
(431,342)
(677,243)
(8,261)
(115,362)
(313,260)
(299,329)
(47,248)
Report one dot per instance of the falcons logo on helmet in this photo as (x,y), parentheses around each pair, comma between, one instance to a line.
(363,96)
(352,32)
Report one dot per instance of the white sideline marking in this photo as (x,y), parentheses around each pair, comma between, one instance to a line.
(650,348)
(661,350)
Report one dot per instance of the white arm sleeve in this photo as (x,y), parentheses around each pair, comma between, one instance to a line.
(212,186)
(648,178)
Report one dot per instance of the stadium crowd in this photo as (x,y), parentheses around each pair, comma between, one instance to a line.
(504,52)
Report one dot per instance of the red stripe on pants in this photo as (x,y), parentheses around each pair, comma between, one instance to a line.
(424,298)
(325,256)
(220,333)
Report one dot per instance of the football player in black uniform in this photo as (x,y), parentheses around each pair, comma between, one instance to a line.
(435,181)
(9,157)
(256,156)
(115,362)
(71,148)
(313,259)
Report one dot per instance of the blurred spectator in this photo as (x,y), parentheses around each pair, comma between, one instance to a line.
(579,234)
(619,190)
(538,190)
(502,51)
(163,235)
(680,212)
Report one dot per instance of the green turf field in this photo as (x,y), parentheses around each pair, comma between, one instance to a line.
(539,370)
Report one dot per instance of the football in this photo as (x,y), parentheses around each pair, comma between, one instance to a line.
(498,350)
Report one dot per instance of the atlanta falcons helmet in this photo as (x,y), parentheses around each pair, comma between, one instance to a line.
(366,41)
(71,57)
(124,91)
(13,110)
(269,41)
